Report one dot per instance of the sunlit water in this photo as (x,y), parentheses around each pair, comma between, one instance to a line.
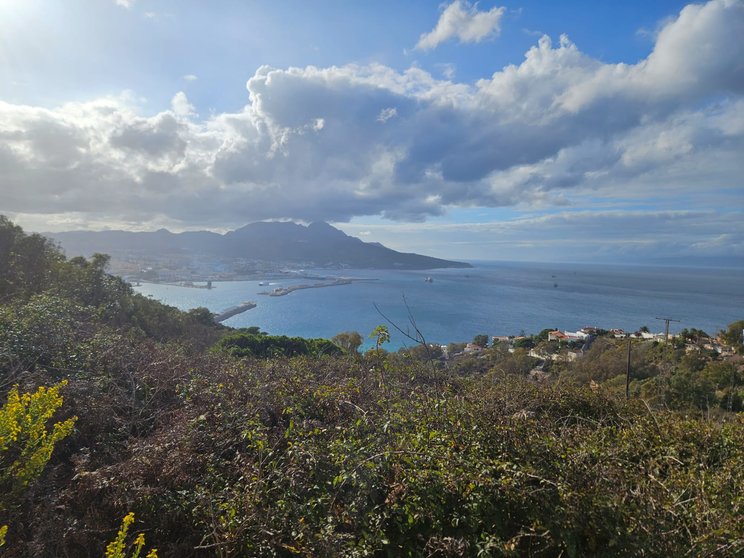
(493,298)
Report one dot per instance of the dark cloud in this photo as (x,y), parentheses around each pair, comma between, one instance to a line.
(154,137)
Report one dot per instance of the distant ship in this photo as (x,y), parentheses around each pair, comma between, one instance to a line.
(429,280)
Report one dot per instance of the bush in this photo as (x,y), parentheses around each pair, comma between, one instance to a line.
(242,344)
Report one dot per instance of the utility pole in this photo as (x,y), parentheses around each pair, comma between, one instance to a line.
(627,373)
(666,327)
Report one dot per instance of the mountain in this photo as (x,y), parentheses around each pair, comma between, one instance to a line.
(318,243)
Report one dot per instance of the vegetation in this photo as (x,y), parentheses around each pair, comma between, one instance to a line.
(481,340)
(118,547)
(25,443)
(734,335)
(243,344)
(349,341)
(238,443)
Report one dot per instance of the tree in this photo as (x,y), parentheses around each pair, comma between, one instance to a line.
(693,335)
(723,374)
(202,316)
(242,344)
(421,352)
(688,388)
(517,363)
(481,340)
(349,341)
(38,333)
(543,335)
(727,381)
(381,335)
(524,343)
(26,261)
(734,335)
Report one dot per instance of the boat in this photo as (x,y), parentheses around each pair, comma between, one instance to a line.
(429,280)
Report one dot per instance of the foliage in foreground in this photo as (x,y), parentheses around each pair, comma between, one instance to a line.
(316,457)
(26,444)
(118,547)
(225,454)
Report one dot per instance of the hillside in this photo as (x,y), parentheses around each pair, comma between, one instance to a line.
(319,244)
(235,443)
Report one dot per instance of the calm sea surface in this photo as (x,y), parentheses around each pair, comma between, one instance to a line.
(492,298)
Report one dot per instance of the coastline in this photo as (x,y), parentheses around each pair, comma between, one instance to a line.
(498,300)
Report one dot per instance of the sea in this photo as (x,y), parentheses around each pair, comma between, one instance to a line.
(493,298)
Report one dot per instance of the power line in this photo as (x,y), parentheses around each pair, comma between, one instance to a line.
(627,373)
(666,327)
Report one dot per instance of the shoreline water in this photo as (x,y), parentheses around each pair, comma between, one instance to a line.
(496,299)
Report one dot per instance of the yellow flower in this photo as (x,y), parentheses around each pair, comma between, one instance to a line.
(117,547)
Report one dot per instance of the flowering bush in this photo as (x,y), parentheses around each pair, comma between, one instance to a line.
(25,443)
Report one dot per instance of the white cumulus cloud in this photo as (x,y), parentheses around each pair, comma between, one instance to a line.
(181,105)
(462,20)
(342,142)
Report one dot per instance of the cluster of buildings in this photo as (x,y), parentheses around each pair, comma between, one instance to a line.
(586,332)
(574,344)
(578,342)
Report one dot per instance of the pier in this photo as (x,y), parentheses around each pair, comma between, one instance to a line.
(234,311)
(282,291)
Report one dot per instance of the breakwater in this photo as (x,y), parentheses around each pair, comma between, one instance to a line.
(235,310)
(282,291)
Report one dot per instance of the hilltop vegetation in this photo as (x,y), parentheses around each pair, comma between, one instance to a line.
(226,443)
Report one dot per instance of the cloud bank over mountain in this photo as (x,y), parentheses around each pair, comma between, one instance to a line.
(596,236)
(347,141)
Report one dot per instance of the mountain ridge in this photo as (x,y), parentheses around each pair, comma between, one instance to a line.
(276,241)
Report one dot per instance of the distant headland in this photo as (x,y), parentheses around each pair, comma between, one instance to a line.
(277,243)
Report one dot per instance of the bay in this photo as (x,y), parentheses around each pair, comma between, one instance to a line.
(495,298)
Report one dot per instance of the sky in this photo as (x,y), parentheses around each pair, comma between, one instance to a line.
(525,130)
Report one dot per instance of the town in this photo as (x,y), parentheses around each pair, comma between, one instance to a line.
(564,345)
